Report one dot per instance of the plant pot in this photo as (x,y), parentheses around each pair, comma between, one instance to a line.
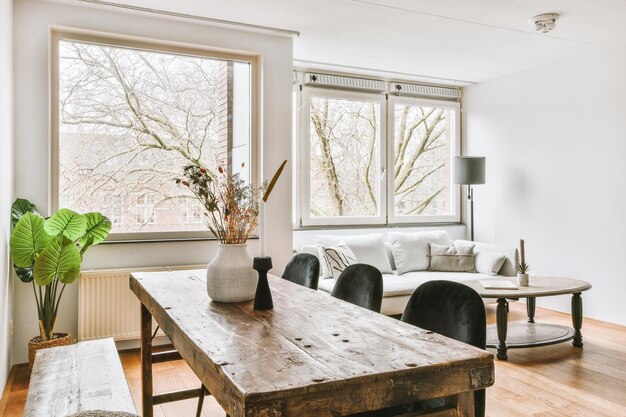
(230,277)
(522,280)
(35,344)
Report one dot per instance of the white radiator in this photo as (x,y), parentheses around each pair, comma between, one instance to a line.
(106,305)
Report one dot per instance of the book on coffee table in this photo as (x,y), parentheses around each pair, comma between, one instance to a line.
(497,284)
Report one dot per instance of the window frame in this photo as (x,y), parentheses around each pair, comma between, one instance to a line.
(387,217)
(455,148)
(58,34)
(305,142)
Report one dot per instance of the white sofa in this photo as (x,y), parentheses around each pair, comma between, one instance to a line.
(397,289)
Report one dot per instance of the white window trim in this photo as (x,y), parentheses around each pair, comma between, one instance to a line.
(297,158)
(455,147)
(305,142)
(58,34)
(387,124)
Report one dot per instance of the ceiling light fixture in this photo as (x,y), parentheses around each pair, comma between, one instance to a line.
(545,22)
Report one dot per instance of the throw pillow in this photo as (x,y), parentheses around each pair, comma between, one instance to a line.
(452,259)
(324,267)
(410,250)
(339,258)
(368,249)
(488,263)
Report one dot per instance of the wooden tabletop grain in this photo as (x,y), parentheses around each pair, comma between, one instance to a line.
(312,355)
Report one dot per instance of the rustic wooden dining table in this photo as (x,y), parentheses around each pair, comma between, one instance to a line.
(312,355)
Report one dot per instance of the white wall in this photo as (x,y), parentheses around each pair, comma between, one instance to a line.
(32,24)
(6,180)
(555,142)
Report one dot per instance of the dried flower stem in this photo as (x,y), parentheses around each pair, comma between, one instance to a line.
(232,206)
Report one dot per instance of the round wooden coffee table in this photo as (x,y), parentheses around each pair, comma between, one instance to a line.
(523,335)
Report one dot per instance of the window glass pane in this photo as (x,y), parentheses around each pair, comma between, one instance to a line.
(131,119)
(422,168)
(344,157)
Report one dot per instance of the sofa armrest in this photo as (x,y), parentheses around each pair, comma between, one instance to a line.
(509,267)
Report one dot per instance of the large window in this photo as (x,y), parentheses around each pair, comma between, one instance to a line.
(344,162)
(372,159)
(131,117)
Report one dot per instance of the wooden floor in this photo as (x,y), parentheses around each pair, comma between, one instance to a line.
(555,381)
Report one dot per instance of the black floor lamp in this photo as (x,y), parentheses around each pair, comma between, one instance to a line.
(469,170)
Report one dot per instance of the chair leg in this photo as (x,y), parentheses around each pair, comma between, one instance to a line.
(203,391)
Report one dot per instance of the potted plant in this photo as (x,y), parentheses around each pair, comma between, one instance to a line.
(231,213)
(47,253)
(522,267)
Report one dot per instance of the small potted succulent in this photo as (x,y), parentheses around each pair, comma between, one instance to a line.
(47,253)
(522,267)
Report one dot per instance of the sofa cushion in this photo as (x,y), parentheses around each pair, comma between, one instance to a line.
(508,267)
(410,250)
(452,258)
(368,249)
(397,289)
(425,276)
(396,285)
(339,258)
(393,285)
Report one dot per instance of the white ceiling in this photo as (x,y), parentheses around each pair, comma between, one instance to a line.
(465,40)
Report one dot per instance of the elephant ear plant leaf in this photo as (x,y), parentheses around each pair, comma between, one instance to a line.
(48,253)
(28,239)
(98,228)
(60,259)
(67,223)
(19,208)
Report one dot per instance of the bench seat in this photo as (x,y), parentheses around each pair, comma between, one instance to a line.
(80,377)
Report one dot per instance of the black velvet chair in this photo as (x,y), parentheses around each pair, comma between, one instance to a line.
(362,285)
(303,269)
(453,310)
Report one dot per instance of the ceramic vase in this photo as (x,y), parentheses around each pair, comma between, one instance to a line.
(230,277)
(522,280)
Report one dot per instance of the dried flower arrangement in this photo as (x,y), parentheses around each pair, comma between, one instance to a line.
(231,205)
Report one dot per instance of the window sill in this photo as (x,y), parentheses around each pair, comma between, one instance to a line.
(378,226)
(115,241)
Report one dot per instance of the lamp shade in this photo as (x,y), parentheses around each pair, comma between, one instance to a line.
(469,170)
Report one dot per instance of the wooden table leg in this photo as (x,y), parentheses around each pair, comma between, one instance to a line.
(501,325)
(530,309)
(146,363)
(465,404)
(577,319)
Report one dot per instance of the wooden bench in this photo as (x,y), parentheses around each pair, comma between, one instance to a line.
(80,377)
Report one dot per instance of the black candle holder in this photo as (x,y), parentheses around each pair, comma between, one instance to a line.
(263,297)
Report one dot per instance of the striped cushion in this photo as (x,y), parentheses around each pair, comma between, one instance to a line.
(338,258)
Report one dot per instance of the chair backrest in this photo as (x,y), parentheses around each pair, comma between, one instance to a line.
(362,285)
(303,269)
(453,310)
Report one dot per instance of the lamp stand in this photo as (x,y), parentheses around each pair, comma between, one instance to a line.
(470,198)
